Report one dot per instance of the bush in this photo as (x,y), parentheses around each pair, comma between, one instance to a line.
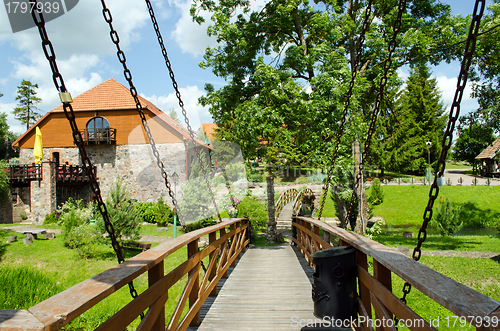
(84,238)
(256,178)
(122,214)
(200,224)
(146,211)
(164,214)
(256,212)
(376,193)
(446,217)
(74,216)
(50,219)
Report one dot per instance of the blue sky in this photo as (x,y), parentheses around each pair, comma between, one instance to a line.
(86,56)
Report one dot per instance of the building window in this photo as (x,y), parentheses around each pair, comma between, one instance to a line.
(97,124)
(98,131)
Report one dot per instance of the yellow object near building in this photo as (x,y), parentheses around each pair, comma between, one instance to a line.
(38,150)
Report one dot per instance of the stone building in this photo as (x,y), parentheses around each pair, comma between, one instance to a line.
(116,143)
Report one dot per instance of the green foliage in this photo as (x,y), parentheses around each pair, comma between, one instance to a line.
(154,212)
(50,219)
(376,193)
(256,212)
(122,214)
(164,214)
(192,226)
(373,231)
(446,217)
(84,238)
(24,286)
(4,182)
(473,138)
(27,112)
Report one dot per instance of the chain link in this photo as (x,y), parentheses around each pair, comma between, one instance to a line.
(361,40)
(181,103)
(133,91)
(77,137)
(378,101)
(470,47)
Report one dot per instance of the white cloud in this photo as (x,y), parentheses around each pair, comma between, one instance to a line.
(448,86)
(196,113)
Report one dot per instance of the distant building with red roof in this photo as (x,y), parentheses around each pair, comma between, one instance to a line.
(116,143)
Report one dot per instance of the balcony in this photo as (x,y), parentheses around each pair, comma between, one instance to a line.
(99,136)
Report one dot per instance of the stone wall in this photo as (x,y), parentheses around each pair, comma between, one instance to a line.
(43,193)
(134,164)
(6,210)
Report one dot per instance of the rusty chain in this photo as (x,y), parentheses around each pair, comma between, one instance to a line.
(378,101)
(77,137)
(470,47)
(361,40)
(133,91)
(181,103)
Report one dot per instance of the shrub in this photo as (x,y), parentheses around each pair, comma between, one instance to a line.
(376,193)
(84,238)
(446,217)
(256,212)
(50,219)
(164,214)
(122,214)
(256,178)
(146,211)
(192,226)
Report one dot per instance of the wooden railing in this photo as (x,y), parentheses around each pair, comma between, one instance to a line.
(222,251)
(99,136)
(25,172)
(285,197)
(70,173)
(297,204)
(375,289)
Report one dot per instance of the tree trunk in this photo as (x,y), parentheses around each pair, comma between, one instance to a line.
(341,206)
(359,190)
(271,233)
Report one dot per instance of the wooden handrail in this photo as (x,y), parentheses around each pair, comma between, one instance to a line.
(375,290)
(285,197)
(59,310)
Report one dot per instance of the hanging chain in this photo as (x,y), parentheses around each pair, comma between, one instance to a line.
(133,91)
(366,25)
(378,101)
(470,47)
(77,137)
(181,103)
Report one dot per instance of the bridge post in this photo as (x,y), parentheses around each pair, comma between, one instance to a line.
(364,291)
(383,275)
(193,295)
(155,274)
(212,237)
(223,256)
(233,243)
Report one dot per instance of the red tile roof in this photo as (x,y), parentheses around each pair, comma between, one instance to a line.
(111,95)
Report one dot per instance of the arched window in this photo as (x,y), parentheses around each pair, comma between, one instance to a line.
(98,131)
(97,123)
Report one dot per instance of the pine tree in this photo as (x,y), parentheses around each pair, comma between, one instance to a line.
(27,112)
(421,120)
(173,115)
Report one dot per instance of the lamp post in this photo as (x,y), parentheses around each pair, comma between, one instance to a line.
(429,144)
(175,179)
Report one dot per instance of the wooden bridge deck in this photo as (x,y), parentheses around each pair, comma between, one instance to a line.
(269,289)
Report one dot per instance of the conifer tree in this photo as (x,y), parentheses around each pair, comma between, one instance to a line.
(27,112)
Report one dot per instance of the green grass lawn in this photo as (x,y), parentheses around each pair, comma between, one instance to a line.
(458,165)
(46,267)
(404,205)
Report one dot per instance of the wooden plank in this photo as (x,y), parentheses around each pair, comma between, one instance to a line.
(445,291)
(387,299)
(211,239)
(22,320)
(383,275)
(186,294)
(154,275)
(364,291)
(382,315)
(195,287)
(363,311)
(155,313)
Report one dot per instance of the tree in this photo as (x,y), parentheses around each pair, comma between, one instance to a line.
(473,138)
(27,112)
(487,74)
(173,115)
(419,118)
(288,66)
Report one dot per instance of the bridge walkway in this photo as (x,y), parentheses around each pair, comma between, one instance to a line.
(269,289)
